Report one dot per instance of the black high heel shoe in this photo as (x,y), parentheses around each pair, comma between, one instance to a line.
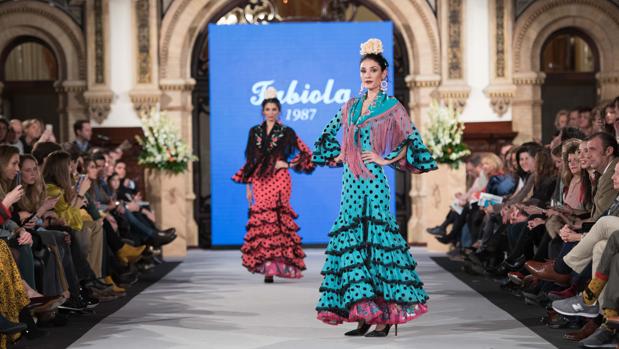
(268,279)
(383,333)
(360,331)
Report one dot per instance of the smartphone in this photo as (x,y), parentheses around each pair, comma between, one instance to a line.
(80,179)
(18,178)
(27,220)
(49,127)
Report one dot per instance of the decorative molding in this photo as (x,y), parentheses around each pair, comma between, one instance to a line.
(70,86)
(453,88)
(142,13)
(608,78)
(530,78)
(177,85)
(167,38)
(47,12)
(418,81)
(99,103)
(501,97)
(456,95)
(522,5)
(454,31)
(252,12)
(500,39)
(99,43)
(144,101)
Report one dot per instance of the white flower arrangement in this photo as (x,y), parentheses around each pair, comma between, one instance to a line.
(444,135)
(162,146)
(372,46)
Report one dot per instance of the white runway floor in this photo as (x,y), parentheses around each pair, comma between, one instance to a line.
(211,301)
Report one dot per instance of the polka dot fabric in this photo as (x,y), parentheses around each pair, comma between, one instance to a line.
(369,273)
(271,230)
(272,245)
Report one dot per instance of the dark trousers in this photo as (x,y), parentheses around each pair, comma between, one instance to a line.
(526,240)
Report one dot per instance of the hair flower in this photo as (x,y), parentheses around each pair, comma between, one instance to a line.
(270,93)
(372,46)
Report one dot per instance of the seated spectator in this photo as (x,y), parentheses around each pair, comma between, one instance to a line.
(33,129)
(83,134)
(16,131)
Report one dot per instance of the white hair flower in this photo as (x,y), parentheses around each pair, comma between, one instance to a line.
(372,46)
(270,93)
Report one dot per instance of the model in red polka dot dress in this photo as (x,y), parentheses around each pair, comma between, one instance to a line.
(272,246)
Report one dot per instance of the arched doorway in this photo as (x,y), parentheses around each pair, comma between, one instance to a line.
(29,69)
(56,36)
(594,22)
(182,24)
(248,12)
(570,61)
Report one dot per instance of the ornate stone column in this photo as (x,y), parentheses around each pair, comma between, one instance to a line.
(526,108)
(501,89)
(99,95)
(422,89)
(177,103)
(454,88)
(71,106)
(146,93)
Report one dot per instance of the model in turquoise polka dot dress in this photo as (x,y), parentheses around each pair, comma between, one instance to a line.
(369,273)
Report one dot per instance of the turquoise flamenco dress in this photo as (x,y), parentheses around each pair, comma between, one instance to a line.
(369,272)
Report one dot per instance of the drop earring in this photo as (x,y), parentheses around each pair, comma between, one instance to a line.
(361,89)
(384,85)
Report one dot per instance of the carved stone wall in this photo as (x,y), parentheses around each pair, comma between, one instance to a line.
(99,96)
(65,38)
(501,89)
(540,19)
(146,94)
(454,88)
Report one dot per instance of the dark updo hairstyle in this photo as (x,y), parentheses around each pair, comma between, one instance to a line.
(272,100)
(378,58)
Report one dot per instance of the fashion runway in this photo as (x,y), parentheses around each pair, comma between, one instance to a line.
(211,301)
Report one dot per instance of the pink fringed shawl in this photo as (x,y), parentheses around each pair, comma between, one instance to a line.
(388,130)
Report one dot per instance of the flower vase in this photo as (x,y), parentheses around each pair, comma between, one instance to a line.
(433,193)
(172,205)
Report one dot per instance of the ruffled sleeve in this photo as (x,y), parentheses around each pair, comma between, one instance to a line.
(241,176)
(302,162)
(327,147)
(418,158)
(244,174)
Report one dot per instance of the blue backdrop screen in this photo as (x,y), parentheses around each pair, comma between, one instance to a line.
(315,68)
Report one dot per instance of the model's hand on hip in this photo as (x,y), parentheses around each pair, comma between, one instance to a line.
(370,156)
(281,164)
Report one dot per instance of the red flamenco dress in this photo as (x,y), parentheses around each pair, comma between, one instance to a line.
(272,246)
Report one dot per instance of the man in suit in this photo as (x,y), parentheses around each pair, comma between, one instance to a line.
(83,134)
(602,148)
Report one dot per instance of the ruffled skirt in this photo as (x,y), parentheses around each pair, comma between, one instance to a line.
(272,246)
(369,272)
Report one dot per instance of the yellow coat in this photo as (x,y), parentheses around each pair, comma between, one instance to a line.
(71,215)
